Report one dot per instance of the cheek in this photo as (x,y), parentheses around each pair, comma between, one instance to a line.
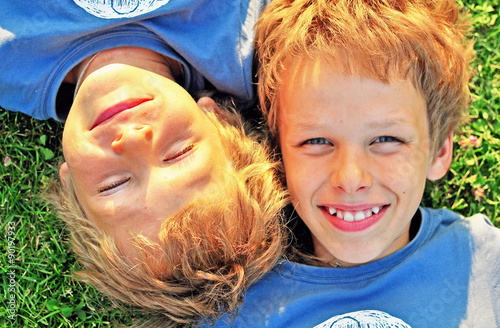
(405,178)
(81,154)
(199,177)
(294,171)
(302,181)
(408,168)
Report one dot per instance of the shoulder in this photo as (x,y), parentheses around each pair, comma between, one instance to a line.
(481,221)
(484,234)
(476,231)
(444,218)
(484,275)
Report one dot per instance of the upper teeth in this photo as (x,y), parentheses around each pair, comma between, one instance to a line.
(354,216)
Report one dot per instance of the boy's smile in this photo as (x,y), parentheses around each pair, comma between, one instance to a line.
(356,156)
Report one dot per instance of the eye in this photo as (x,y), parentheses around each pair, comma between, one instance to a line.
(179,153)
(384,139)
(316,141)
(113,185)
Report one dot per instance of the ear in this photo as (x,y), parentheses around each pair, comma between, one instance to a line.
(64,173)
(208,104)
(442,160)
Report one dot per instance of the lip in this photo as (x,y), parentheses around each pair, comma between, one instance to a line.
(114,110)
(354,226)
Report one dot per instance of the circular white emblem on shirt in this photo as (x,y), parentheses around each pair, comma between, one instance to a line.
(364,319)
(119,8)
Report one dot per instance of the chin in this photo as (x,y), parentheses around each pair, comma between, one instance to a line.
(357,258)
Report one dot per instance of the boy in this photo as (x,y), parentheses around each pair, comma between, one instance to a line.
(179,238)
(138,148)
(363,98)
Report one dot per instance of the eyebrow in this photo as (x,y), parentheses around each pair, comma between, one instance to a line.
(307,126)
(374,125)
(384,124)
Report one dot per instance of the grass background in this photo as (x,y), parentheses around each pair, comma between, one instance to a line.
(47,296)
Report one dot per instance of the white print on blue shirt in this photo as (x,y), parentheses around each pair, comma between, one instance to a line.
(119,8)
(364,319)
(5,36)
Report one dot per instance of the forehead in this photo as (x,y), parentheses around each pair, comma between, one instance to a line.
(313,90)
(308,73)
(348,63)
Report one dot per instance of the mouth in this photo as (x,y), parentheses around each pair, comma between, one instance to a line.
(114,110)
(354,219)
(352,216)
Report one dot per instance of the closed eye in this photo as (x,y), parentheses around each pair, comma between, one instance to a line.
(113,185)
(179,153)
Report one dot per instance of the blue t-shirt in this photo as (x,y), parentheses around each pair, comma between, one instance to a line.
(447,276)
(41,41)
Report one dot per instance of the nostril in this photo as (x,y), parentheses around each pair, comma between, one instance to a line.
(146,129)
(131,137)
(117,145)
(118,137)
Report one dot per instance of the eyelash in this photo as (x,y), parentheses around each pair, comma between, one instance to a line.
(315,141)
(180,153)
(388,139)
(119,183)
(323,141)
(113,185)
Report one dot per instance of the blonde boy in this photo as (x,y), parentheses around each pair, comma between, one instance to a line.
(189,257)
(363,98)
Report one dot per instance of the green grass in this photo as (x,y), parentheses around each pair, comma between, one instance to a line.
(475,170)
(47,296)
(45,293)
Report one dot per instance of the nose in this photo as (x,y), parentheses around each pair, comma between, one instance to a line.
(134,139)
(350,172)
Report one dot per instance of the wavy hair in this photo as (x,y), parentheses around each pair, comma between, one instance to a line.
(423,40)
(211,250)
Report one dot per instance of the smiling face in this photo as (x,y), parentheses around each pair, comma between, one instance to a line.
(356,157)
(137,154)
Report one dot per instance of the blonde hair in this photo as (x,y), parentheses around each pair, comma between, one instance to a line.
(211,250)
(418,39)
